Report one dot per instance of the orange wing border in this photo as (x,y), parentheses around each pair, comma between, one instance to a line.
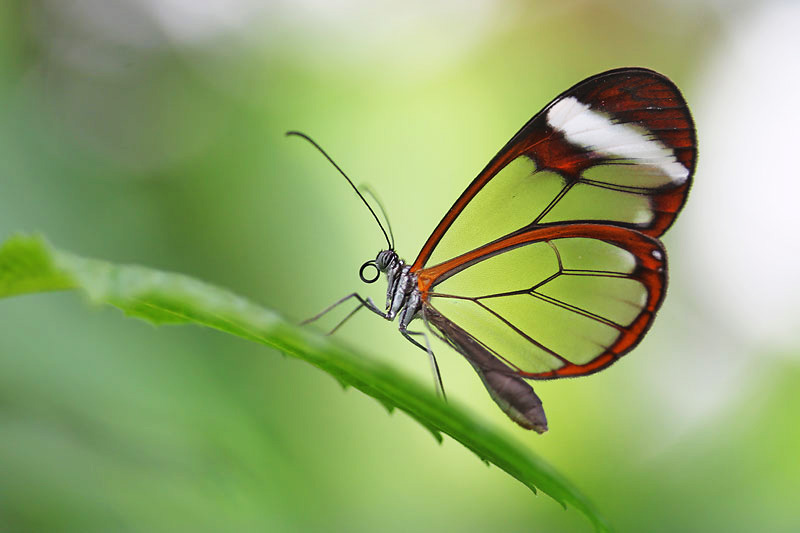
(650,270)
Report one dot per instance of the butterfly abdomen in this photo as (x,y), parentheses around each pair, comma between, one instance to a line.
(509,391)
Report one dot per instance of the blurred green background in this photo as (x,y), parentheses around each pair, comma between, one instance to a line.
(151,132)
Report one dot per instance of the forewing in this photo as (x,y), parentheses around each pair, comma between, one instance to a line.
(617,148)
(555,301)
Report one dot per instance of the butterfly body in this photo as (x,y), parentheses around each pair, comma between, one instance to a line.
(402,294)
(549,265)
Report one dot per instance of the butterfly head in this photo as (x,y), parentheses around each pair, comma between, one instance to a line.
(385,260)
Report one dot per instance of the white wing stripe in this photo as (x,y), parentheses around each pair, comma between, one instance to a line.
(595,131)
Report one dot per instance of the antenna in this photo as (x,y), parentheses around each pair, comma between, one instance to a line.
(315,145)
(368,190)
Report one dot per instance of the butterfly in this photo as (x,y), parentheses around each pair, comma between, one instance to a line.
(549,265)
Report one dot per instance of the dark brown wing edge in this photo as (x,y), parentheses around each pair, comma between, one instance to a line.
(511,393)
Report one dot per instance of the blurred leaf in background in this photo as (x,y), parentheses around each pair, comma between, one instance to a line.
(151,132)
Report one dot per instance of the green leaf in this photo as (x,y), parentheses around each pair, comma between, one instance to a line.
(29,264)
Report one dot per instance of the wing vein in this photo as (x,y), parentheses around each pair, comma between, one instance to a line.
(524,335)
(577,310)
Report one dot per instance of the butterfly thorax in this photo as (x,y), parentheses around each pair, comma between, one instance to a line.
(402,296)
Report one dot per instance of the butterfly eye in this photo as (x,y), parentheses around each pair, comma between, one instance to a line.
(372,264)
(385,260)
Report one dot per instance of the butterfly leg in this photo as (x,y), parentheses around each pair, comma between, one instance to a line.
(427,348)
(363,302)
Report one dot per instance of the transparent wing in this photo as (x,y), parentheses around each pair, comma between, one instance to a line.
(616,148)
(555,301)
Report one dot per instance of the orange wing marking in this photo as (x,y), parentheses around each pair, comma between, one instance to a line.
(649,270)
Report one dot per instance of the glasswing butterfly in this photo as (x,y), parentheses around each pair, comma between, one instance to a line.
(549,265)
